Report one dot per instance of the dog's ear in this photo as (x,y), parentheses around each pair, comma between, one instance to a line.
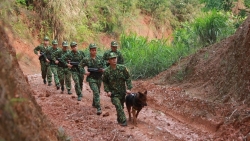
(146,92)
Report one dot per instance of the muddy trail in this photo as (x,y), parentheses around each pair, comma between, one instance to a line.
(80,122)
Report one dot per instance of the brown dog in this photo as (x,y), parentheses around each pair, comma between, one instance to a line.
(136,101)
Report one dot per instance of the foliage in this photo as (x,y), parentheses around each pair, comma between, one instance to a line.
(225,5)
(212,26)
(185,10)
(147,58)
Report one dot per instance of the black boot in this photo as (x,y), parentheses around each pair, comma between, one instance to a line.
(44,81)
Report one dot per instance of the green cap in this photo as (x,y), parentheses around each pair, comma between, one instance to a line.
(112,55)
(46,38)
(54,42)
(92,45)
(73,44)
(114,44)
(65,44)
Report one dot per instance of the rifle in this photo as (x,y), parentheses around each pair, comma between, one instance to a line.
(94,69)
(41,57)
(96,73)
(74,64)
(60,64)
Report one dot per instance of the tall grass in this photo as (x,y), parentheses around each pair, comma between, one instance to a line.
(147,58)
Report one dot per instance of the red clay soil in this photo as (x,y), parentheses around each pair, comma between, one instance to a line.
(204,97)
(21,118)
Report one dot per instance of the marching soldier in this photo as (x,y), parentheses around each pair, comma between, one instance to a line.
(117,82)
(52,64)
(72,60)
(40,51)
(114,46)
(95,69)
(63,71)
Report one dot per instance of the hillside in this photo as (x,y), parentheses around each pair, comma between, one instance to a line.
(204,96)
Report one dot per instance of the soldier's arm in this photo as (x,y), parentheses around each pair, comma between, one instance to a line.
(54,55)
(105,82)
(64,59)
(36,49)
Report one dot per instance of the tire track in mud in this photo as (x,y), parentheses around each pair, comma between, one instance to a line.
(64,110)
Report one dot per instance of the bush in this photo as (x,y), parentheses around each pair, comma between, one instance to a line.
(147,58)
(212,26)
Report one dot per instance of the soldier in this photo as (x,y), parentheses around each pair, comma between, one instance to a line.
(72,60)
(114,46)
(53,65)
(44,65)
(63,71)
(115,78)
(95,66)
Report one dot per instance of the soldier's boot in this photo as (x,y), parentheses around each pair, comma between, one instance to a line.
(62,88)
(79,97)
(49,84)
(124,123)
(99,111)
(44,81)
(57,86)
(69,92)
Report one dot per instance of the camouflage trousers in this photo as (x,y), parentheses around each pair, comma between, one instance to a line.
(46,72)
(119,105)
(64,75)
(78,79)
(54,71)
(95,87)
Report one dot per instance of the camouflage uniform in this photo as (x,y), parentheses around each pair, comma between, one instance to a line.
(52,64)
(120,59)
(44,65)
(77,72)
(115,81)
(63,71)
(95,78)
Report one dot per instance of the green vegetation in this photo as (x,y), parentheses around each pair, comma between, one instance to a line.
(147,58)
(194,24)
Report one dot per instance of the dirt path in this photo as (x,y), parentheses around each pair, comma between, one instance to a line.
(80,122)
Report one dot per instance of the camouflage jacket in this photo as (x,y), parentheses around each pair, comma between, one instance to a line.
(93,63)
(42,49)
(116,80)
(120,59)
(49,53)
(58,56)
(74,57)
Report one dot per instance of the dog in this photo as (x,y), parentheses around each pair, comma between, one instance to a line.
(136,101)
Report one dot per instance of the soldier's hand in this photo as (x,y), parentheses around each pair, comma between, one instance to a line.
(128,91)
(39,55)
(87,73)
(47,60)
(108,94)
(56,61)
(69,66)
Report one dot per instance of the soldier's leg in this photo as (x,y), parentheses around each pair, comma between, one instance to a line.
(81,78)
(48,74)
(75,77)
(43,71)
(121,118)
(67,75)
(61,76)
(56,79)
(96,96)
